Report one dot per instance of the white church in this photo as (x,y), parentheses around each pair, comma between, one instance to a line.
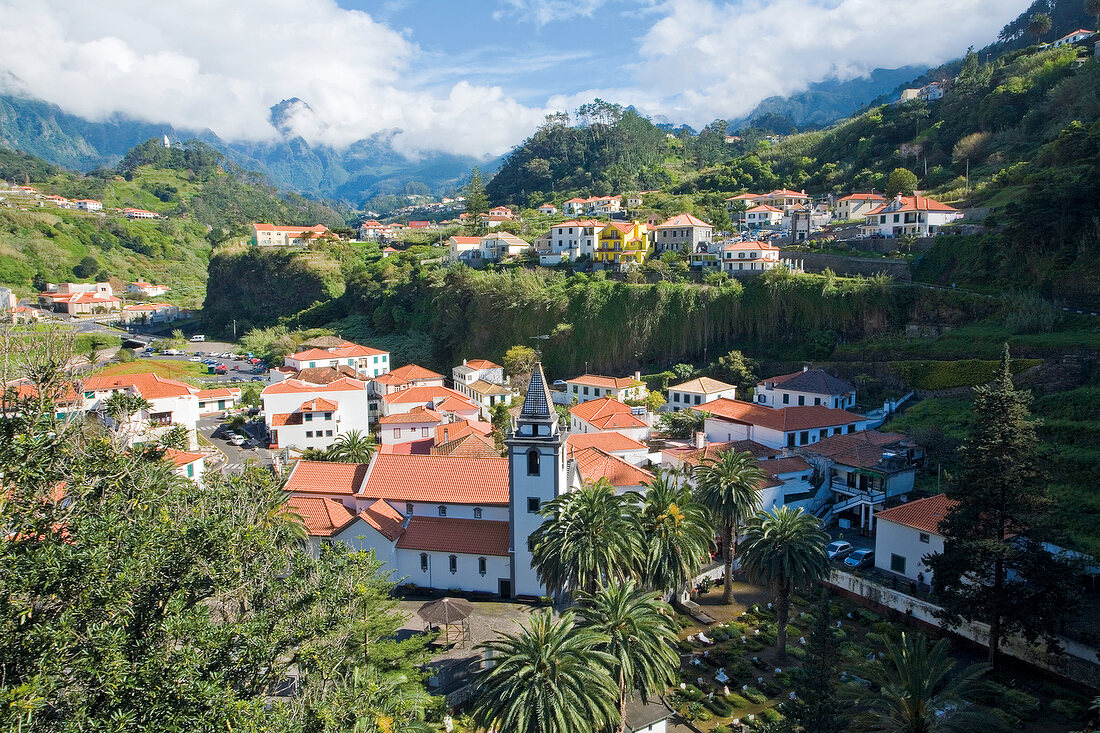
(445,521)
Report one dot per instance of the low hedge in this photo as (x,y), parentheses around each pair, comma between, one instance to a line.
(936,375)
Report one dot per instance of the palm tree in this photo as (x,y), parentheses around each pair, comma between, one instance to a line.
(353,446)
(784,549)
(550,677)
(591,535)
(676,531)
(729,487)
(640,634)
(914,691)
(1039,25)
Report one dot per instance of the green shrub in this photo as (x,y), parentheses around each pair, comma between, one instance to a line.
(1020,704)
(719,707)
(866,617)
(752,644)
(1069,709)
(721,635)
(935,375)
(784,679)
(736,701)
(795,651)
(691,692)
(794,631)
(798,600)
(771,715)
(767,638)
(741,669)
(754,696)
(886,629)
(770,688)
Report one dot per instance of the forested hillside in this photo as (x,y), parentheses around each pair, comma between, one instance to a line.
(204,200)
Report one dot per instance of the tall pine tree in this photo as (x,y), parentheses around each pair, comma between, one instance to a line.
(994,567)
(815,708)
(477,203)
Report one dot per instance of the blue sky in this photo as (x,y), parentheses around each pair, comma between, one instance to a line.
(471,77)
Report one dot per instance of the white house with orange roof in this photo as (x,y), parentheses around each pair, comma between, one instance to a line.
(463,249)
(417,376)
(78,299)
(589,465)
(593,386)
(218,399)
(150,313)
(140,287)
(785,427)
(747,257)
(784,198)
(440,399)
(573,206)
(919,216)
(905,535)
(502,211)
(418,424)
(856,205)
(682,233)
(548,209)
(171,404)
(608,414)
(611,442)
(482,382)
(187,464)
(575,238)
(301,415)
(698,392)
(371,230)
(88,204)
(436,521)
(131,213)
(369,362)
(270,235)
(1075,37)
(761,215)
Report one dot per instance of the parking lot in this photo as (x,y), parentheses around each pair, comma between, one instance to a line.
(237,370)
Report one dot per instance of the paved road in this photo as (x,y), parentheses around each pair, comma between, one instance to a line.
(234,457)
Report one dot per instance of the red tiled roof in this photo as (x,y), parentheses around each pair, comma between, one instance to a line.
(609,442)
(786,192)
(593,464)
(418,414)
(702,385)
(424,395)
(734,246)
(816,381)
(389,379)
(481,364)
(595,380)
(280,419)
(182,458)
(606,413)
(384,518)
(150,386)
(858,450)
(323,477)
(420,447)
(319,404)
(323,517)
(471,445)
(459,536)
(911,203)
(439,479)
(684,220)
(456,404)
(764,207)
(862,197)
(695,456)
(791,464)
(414,372)
(783,419)
(290,229)
(467,240)
(454,430)
(297,386)
(923,514)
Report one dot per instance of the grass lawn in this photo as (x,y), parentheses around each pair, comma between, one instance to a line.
(183,371)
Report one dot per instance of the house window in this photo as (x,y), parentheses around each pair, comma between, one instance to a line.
(897,563)
(308,417)
(424,432)
(804,437)
(532,505)
(309,433)
(481,565)
(801,400)
(817,401)
(698,399)
(397,432)
(791,440)
(786,398)
(191,474)
(408,507)
(532,462)
(675,396)
(852,428)
(837,431)
(824,432)
(424,562)
(452,562)
(442,510)
(160,418)
(924,538)
(328,433)
(477,512)
(328,415)
(586,391)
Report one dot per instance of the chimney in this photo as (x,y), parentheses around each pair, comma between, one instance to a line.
(805,367)
(638,375)
(700,441)
(446,432)
(463,362)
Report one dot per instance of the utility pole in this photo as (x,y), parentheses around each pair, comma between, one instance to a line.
(968,176)
(234,329)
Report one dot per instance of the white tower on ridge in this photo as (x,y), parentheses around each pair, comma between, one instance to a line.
(166,143)
(536,474)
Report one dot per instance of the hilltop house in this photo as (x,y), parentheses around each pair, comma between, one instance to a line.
(623,244)
(575,238)
(785,427)
(269,235)
(548,209)
(916,215)
(760,216)
(463,249)
(698,392)
(132,213)
(593,386)
(88,204)
(1075,37)
(682,233)
(149,290)
(807,387)
(784,199)
(371,230)
(857,205)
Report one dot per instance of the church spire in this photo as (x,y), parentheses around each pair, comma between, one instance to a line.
(538,403)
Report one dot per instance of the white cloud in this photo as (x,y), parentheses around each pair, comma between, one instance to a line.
(541,12)
(203,63)
(706,59)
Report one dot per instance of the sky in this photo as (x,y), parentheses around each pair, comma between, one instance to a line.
(469,77)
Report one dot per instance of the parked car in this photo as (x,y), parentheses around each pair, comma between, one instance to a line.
(221,369)
(839,550)
(172,352)
(237,439)
(198,337)
(195,358)
(236,379)
(860,559)
(258,379)
(199,353)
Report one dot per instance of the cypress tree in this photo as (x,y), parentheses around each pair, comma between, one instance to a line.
(815,708)
(995,567)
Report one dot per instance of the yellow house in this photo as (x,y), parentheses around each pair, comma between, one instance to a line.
(623,243)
